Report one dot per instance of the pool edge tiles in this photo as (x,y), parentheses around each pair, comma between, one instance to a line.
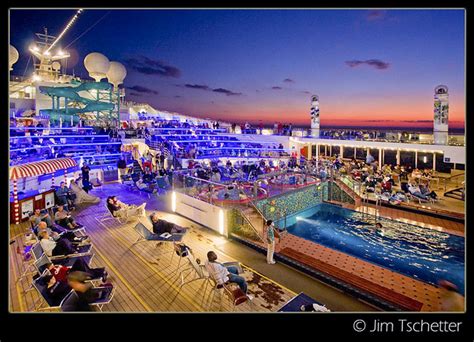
(418,290)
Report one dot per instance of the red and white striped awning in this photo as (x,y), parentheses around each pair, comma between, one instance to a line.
(41,167)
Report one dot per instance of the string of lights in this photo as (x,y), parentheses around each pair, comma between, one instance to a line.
(68,26)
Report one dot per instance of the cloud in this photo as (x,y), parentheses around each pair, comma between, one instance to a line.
(226,91)
(376,63)
(178,96)
(288,80)
(141,89)
(306,92)
(205,87)
(277,88)
(135,94)
(376,15)
(197,86)
(149,66)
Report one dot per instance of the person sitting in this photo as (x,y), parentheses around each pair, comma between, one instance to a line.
(58,233)
(38,217)
(356,174)
(81,195)
(143,186)
(148,177)
(216,176)
(122,210)
(225,274)
(64,219)
(425,190)
(63,195)
(414,190)
(386,185)
(60,272)
(370,184)
(86,292)
(62,246)
(55,289)
(161,226)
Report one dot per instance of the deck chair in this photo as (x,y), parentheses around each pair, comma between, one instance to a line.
(38,252)
(27,259)
(40,264)
(420,199)
(106,294)
(146,235)
(198,271)
(231,290)
(107,216)
(45,301)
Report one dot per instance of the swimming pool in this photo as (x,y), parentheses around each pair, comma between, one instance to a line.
(421,253)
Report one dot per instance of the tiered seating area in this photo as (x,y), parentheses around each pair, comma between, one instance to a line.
(91,145)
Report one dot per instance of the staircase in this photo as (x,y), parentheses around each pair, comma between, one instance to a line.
(457,193)
(349,191)
(137,169)
(255,219)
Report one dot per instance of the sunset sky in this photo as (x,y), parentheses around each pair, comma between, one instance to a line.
(369,67)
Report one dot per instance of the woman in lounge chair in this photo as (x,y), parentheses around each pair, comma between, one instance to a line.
(122,210)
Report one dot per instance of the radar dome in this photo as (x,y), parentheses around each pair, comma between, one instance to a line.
(56,66)
(97,65)
(116,73)
(13,56)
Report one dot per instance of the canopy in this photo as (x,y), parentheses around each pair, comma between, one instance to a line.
(41,167)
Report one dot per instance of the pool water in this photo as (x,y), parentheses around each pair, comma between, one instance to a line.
(421,253)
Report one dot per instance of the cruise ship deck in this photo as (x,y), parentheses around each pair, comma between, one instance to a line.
(343,217)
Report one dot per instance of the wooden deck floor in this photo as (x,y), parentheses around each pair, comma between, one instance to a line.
(146,278)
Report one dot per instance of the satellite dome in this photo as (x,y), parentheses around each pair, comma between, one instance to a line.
(56,66)
(116,73)
(97,65)
(13,56)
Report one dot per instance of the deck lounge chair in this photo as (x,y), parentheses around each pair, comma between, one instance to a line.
(195,269)
(107,216)
(40,264)
(146,235)
(106,295)
(231,290)
(45,301)
(37,252)
(295,303)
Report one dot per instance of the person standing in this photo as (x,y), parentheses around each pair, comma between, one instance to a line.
(85,177)
(122,167)
(270,234)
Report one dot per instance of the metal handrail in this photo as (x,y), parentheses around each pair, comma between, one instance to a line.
(450,178)
(251,226)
